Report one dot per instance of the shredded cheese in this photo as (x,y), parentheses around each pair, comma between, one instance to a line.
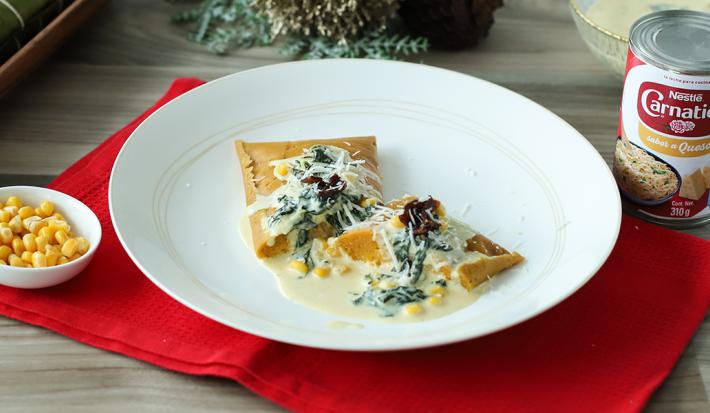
(389,248)
(411,234)
(349,214)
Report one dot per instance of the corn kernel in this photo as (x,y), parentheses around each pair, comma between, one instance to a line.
(435,300)
(5,252)
(25,212)
(375,283)
(26,256)
(4,225)
(16,224)
(2,262)
(13,201)
(440,211)
(6,236)
(47,233)
(83,245)
(62,260)
(61,237)
(41,243)
(321,272)
(29,241)
(26,222)
(341,269)
(39,260)
(52,258)
(282,170)
(16,261)
(34,226)
(50,247)
(366,202)
(396,222)
(40,213)
(296,265)
(11,209)
(58,216)
(17,245)
(412,309)
(5,216)
(333,251)
(444,226)
(47,207)
(57,225)
(437,290)
(388,285)
(70,246)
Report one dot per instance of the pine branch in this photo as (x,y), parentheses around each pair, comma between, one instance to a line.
(373,44)
(220,25)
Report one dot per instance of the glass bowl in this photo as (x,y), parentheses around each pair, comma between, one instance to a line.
(610,48)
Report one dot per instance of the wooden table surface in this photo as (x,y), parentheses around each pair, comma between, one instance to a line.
(122,62)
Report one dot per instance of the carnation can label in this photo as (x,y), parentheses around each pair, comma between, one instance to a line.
(662,154)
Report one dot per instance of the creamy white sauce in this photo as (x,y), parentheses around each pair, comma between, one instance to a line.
(334,294)
(344,325)
(618,16)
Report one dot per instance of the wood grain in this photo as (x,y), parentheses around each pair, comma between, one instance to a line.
(117,66)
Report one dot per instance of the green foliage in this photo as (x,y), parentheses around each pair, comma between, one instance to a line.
(373,44)
(220,25)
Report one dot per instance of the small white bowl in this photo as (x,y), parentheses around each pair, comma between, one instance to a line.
(83,222)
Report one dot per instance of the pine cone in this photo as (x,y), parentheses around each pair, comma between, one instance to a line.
(337,20)
(449,24)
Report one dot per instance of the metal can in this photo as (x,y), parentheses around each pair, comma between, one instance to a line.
(662,154)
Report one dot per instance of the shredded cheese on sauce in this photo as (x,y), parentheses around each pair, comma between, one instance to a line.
(322,162)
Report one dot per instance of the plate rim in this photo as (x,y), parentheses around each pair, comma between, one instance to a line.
(437,340)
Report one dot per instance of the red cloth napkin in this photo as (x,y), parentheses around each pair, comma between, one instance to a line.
(607,348)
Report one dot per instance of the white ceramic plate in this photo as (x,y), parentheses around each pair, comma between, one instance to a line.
(532,182)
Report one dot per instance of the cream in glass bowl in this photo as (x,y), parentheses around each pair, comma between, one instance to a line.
(605,24)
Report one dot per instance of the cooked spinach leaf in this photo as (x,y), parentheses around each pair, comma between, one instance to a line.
(287,207)
(335,223)
(400,245)
(304,253)
(302,238)
(389,301)
(319,154)
(417,266)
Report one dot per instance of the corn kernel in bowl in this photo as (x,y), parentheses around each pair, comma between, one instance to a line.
(37,236)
